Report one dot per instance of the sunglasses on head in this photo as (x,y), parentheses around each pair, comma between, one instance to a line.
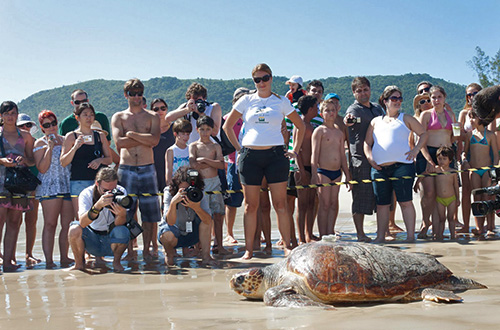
(264,79)
(423,101)
(52,123)
(162,108)
(78,102)
(472,94)
(27,125)
(424,90)
(396,98)
(132,94)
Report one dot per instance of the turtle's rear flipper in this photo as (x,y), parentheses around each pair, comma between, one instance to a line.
(287,296)
(440,296)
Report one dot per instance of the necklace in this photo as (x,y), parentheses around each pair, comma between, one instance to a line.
(264,106)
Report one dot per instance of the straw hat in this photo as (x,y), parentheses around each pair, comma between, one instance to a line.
(97,127)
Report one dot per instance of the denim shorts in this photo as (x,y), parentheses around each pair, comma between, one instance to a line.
(255,164)
(187,240)
(77,186)
(66,197)
(233,183)
(402,187)
(100,245)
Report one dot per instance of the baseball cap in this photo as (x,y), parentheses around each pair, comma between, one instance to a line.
(295,79)
(331,96)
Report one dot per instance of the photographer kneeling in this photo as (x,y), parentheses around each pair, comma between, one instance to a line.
(101,230)
(187,218)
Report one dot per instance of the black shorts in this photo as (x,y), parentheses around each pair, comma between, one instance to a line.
(254,165)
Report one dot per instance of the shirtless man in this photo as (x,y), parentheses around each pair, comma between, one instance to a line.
(206,157)
(135,132)
(308,106)
(328,161)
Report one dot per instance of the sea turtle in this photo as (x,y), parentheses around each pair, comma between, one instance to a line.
(322,273)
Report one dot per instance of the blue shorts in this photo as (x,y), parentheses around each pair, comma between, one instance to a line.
(187,240)
(402,187)
(140,180)
(77,186)
(233,183)
(255,164)
(66,197)
(100,245)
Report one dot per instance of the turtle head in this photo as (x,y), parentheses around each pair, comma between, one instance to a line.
(249,283)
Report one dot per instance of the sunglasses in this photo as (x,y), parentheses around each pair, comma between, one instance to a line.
(132,94)
(52,123)
(472,94)
(78,102)
(396,98)
(264,79)
(424,90)
(421,102)
(163,108)
(27,125)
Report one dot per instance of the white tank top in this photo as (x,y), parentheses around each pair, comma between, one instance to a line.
(390,141)
(181,157)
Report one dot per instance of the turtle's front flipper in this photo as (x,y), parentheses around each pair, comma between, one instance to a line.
(437,295)
(286,296)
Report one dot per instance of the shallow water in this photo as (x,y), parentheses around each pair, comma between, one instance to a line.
(187,296)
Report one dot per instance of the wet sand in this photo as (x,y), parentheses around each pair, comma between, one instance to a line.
(152,296)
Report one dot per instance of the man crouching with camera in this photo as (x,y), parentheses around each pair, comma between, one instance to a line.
(187,218)
(101,230)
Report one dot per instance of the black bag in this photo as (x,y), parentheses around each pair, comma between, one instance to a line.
(18,179)
(225,144)
(135,228)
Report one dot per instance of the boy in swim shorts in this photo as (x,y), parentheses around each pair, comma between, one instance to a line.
(328,161)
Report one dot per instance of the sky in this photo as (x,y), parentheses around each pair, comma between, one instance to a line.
(48,44)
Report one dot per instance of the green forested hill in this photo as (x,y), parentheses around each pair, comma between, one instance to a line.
(107,95)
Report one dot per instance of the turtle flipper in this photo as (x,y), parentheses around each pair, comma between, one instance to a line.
(286,296)
(437,295)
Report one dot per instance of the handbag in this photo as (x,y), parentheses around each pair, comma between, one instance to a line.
(225,144)
(18,179)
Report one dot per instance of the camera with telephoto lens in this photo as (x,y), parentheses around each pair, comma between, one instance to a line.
(193,193)
(121,199)
(482,208)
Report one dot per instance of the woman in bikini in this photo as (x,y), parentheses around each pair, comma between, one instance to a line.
(466,126)
(17,150)
(482,145)
(437,122)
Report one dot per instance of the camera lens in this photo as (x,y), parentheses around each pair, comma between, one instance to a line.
(124,201)
(194,194)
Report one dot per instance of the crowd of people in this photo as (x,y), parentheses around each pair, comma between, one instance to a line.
(94,191)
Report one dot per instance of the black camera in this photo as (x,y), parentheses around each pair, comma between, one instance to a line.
(193,193)
(201,105)
(121,199)
(482,208)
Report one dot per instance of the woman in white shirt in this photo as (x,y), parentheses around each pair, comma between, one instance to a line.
(262,152)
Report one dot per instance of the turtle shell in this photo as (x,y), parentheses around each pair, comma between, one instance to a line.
(350,272)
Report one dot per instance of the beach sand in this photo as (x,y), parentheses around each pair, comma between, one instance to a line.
(150,296)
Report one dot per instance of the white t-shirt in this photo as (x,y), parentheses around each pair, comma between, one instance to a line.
(181,157)
(105,217)
(262,118)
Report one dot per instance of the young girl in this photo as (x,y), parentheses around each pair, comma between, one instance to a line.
(328,161)
(482,146)
(447,196)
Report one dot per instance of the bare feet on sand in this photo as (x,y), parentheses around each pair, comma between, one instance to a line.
(209,262)
(66,262)
(220,250)
(364,239)
(230,240)
(393,229)
(247,256)
(117,266)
